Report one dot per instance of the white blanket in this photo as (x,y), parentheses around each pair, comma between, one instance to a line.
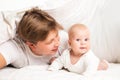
(40,73)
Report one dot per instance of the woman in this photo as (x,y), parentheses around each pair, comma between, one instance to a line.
(38,38)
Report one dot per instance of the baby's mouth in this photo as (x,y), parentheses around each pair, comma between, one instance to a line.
(82,47)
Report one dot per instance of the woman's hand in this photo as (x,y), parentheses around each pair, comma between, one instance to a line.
(2,61)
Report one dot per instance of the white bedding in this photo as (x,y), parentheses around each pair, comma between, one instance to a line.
(39,73)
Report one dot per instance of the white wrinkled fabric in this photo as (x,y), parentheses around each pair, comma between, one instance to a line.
(101,16)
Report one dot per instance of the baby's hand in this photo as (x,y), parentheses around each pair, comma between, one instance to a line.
(103,65)
(52,59)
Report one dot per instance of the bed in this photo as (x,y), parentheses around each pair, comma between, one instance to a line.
(40,73)
(103,24)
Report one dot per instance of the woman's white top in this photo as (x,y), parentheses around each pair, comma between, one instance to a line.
(86,65)
(17,53)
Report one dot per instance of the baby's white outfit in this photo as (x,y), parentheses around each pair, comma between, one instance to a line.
(86,65)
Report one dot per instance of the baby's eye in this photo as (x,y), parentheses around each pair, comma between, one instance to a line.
(86,39)
(77,39)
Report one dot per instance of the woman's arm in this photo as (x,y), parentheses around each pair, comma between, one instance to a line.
(2,61)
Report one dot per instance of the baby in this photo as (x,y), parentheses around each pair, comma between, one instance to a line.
(79,58)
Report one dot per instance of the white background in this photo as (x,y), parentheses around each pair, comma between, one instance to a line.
(105,22)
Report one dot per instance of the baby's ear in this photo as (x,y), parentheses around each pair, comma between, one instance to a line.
(69,42)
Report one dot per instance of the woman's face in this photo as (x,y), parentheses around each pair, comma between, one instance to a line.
(48,46)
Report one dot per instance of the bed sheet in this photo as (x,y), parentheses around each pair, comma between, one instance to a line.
(40,73)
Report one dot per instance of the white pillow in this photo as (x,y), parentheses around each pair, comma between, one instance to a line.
(8,25)
(12,14)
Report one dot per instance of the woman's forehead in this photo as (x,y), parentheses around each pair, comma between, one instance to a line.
(52,34)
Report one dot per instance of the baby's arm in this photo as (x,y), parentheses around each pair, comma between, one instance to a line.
(103,65)
(52,59)
(91,64)
(56,64)
(91,69)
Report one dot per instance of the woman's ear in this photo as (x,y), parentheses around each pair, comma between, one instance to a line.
(31,45)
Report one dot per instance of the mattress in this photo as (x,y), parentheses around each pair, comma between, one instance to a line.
(39,73)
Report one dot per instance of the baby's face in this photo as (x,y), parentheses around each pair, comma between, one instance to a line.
(80,41)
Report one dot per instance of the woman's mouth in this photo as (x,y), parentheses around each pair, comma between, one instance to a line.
(55,49)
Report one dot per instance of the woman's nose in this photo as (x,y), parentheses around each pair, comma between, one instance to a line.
(57,42)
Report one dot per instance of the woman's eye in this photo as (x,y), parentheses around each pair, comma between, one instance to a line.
(49,42)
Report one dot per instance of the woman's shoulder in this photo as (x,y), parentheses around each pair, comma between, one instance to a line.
(66,52)
(63,36)
(63,40)
(63,32)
